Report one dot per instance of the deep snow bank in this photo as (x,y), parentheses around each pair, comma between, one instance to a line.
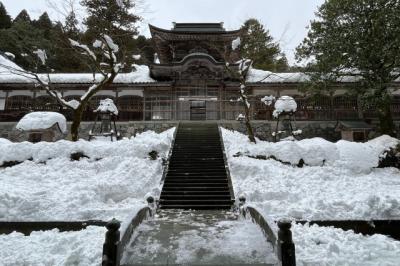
(61,189)
(53,248)
(347,186)
(315,152)
(329,246)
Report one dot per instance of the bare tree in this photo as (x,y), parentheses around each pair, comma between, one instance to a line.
(104,62)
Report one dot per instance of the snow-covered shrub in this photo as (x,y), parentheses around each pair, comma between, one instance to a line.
(390,158)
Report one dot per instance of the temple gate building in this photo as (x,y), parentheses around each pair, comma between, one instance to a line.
(188,81)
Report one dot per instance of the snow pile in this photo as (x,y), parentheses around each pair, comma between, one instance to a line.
(112,182)
(42,120)
(53,248)
(107,106)
(284,104)
(338,181)
(329,246)
(4,141)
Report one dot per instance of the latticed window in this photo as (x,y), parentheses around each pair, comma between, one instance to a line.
(46,103)
(345,102)
(19,102)
(130,103)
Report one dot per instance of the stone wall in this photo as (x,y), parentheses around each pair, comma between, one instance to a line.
(310,129)
(263,129)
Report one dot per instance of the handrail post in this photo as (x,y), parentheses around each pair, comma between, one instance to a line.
(286,248)
(242,202)
(110,246)
(151,204)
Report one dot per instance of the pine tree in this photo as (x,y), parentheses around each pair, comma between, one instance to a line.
(258,44)
(5,19)
(71,25)
(44,23)
(109,17)
(358,38)
(106,16)
(23,16)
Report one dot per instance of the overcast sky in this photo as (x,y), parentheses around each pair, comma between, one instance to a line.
(286,19)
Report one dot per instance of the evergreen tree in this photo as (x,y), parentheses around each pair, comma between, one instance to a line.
(5,19)
(71,25)
(258,45)
(107,16)
(64,57)
(23,16)
(358,38)
(115,19)
(21,39)
(44,23)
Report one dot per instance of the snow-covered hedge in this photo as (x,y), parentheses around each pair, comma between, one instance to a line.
(43,151)
(314,152)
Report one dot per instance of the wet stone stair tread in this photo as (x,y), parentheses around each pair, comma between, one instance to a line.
(198,237)
(197,176)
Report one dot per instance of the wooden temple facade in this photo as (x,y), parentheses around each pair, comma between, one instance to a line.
(190,82)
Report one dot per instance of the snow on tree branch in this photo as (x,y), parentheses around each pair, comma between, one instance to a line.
(236,43)
(85,49)
(41,54)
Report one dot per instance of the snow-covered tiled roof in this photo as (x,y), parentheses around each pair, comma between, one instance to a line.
(261,76)
(141,75)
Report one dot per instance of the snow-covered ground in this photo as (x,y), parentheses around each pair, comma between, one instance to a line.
(111,183)
(338,181)
(53,248)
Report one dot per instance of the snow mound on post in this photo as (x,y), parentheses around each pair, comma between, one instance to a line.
(42,120)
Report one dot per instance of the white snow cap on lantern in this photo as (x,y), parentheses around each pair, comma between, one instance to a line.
(107,105)
(284,104)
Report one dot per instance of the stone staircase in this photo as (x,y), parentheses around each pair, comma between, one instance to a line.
(197,177)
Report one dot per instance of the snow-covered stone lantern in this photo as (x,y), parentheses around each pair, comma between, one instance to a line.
(104,124)
(285,109)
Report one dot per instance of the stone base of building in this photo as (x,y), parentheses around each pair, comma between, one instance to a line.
(262,129)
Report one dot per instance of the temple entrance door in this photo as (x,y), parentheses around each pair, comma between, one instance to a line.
(198,110)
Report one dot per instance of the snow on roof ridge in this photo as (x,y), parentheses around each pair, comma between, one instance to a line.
(141,75)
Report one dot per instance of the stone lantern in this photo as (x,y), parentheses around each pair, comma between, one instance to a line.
(285,110)
(104,124)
